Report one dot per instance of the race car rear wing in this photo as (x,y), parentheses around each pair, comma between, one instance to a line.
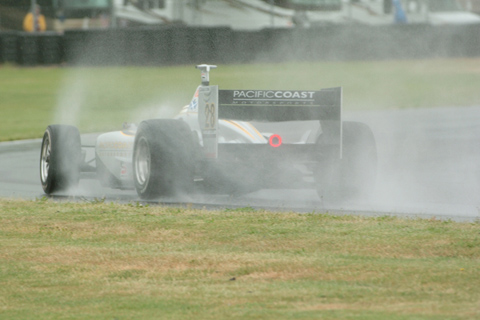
(267,105)
(280,105)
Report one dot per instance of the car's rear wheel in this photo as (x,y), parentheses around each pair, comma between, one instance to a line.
(163,159)
(353,177)
(60,158)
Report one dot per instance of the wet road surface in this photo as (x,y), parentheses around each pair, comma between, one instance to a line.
(429,166)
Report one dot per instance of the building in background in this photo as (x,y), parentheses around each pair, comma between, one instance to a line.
(439,12)
(237,14)
(471,5)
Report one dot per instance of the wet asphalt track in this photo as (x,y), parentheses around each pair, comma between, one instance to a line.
(429,166)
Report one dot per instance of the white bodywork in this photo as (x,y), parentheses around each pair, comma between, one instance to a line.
(115,149)
(229,131)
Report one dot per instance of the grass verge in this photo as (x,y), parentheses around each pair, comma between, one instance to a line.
(101,99)
(111,261)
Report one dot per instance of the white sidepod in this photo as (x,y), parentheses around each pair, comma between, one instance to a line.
(115,151)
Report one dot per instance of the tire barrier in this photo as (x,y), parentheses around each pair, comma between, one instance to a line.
(174,45)
(8,47)
(50,47)
(28,49)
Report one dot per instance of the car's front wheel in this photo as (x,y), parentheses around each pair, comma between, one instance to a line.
(60,158)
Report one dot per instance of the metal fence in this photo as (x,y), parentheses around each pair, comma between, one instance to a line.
(185,45)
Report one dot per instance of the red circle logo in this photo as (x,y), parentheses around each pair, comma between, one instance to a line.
(275,140)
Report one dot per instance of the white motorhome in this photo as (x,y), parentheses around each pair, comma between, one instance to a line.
(435,12)
(440,12)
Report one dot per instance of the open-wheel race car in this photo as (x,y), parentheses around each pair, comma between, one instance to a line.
(224,142)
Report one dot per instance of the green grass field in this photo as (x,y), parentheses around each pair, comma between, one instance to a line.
(110,261)
(101,99)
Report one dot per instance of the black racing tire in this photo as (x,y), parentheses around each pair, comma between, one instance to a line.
(351,179)
(164,156)
(60,158)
